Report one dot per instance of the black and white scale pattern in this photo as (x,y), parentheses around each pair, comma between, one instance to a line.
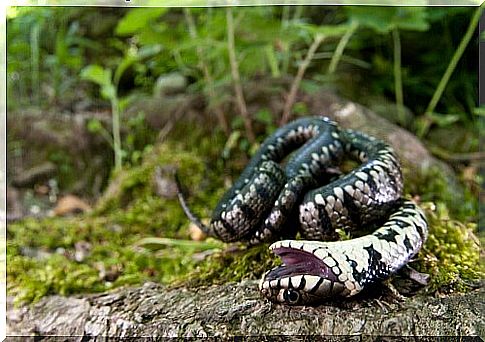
(364,195)
(280,194)
(260,204)
(344,268)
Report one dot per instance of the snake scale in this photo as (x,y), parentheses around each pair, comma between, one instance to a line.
(310,196)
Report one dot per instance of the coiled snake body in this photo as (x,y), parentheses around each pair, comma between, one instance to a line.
(310,196)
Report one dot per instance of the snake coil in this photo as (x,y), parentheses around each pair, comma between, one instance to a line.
(310,196)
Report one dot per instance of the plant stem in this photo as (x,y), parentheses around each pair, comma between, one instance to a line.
(286,49)
(299,76)
(35,58)
(272,61)
(285,15)
(297,14)
(211,93)
(115,109)
(398,75)
(236,78)
(454,61)
(341,47)
(348,59)
(456,157)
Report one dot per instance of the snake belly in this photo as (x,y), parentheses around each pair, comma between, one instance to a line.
(309,196)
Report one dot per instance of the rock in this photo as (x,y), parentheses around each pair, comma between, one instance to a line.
(15,209)
(237,309)
(82,250)
(351,115)
(389,110)
(160,110)
(169,84)
(43,135)
(34,253)
(69,205)
(165,185)
(413,154)
(38,173)
(411,151)
(60,318)
(196,233)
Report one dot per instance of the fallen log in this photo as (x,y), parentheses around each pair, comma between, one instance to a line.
(237,309)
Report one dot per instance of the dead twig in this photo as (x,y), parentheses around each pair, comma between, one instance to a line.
(167,128)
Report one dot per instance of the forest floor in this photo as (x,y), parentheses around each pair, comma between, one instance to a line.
(134,232)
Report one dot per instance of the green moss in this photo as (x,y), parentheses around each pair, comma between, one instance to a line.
(29,279)
(127,214)
(432,185)
(451,255)
(108,266)
(231,265)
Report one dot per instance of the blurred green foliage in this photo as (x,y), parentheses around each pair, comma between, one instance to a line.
(54,51)
(48,47)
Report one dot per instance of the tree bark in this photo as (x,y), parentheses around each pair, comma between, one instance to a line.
(237,309)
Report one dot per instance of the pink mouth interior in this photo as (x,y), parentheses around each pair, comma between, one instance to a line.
(298,262)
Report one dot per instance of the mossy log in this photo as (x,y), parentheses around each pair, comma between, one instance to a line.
(237,309)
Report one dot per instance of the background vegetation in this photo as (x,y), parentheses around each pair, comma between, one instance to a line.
(416,66)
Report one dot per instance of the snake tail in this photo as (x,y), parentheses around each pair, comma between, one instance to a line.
(188,212)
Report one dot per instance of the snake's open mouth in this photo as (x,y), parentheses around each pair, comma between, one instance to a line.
(299,262)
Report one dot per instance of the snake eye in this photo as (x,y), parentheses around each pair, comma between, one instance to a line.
(291,296)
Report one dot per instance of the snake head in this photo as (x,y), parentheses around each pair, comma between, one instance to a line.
(307,275)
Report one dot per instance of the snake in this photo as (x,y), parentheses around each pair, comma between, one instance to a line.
(293,185)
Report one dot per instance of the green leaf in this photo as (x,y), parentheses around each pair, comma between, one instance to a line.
(264,116)
(443,120)
(444,13)
(411,18)
(326,31)
(385,19)
(108,91)
(272,60)
(237,123)
(127,100)
(128,60)
(101,77)
(96,74)
(156,34)
(258,26)
(157,243)
(300,108)
(231,143)
(148,51)
(61,48)
(479,111)
(137,18)
(94,126)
